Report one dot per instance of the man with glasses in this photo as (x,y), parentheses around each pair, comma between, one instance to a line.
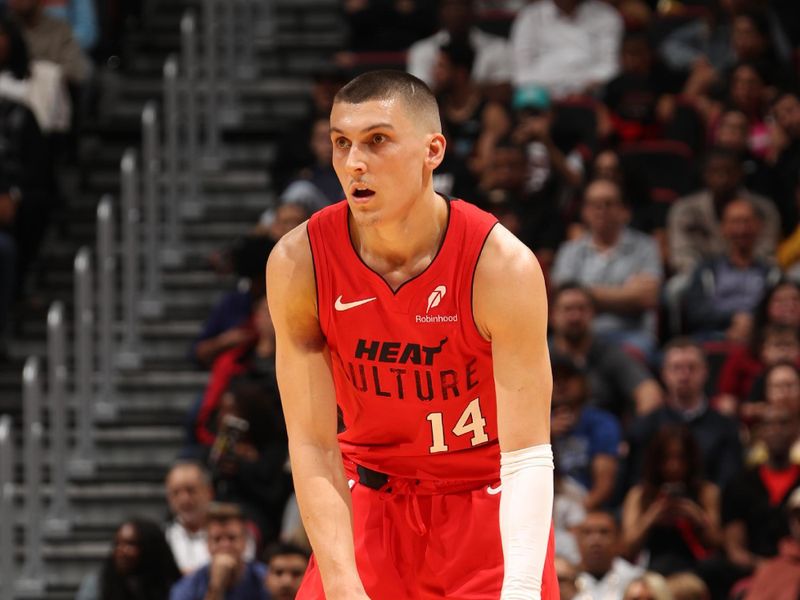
(620,267)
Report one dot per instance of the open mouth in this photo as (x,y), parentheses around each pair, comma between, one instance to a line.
(363,193)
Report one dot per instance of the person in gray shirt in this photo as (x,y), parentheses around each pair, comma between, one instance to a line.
(621,268)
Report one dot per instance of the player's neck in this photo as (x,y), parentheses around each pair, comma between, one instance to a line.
(404,247)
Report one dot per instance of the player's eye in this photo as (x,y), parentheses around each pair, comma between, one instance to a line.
(342,143)
(378,138)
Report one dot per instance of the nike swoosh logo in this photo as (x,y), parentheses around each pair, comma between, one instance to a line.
(493,491)
(340,306)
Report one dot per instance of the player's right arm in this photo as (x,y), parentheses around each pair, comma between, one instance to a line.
(309,404)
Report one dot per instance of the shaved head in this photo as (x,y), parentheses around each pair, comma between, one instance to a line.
(416,97)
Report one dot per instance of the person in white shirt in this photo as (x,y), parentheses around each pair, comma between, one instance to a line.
(603,575)
(189,494)
(567,46)
(492,65)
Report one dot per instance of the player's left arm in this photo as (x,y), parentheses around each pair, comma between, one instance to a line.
(510,309)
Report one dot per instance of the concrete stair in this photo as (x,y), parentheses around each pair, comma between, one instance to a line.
(135,449)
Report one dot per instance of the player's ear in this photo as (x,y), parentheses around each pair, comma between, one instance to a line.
(436,148)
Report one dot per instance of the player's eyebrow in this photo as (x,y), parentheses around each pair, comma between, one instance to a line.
(366,129)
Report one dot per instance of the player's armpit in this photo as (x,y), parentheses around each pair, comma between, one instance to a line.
(510,309)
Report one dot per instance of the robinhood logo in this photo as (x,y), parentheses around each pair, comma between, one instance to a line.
(436,297)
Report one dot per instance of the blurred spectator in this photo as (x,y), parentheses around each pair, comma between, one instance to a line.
(716,39)
(81,15)
(608,164)
(617,384)
(780,305)
(38,84)
(248,458)
(189,494)
(786,154)
(492,64)
(473,124)
(751,37)
(685,374)
(753,505)
(553,173)
(228,325)
(748,91)
(781,387)
(318,172)
(687,586)
(286,565)
(51,39)
(731,132)
(772,344)
(636,96)
(779,578)
(568,513)
(603,573)
(693,222)
(788,255)
(228,576)
(725,289)
(26,171)
(673,514)
(295,152)
(295,205)
(566,46)
(585,439)
(254,357)
(139,567)
(650,586)
(533,218)
(620,267)
(387,25)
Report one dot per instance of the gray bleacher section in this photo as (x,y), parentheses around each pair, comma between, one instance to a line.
(135,416)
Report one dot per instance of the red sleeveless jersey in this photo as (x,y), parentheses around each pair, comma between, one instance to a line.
(413,376)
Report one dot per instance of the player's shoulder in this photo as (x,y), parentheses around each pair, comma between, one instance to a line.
(292,247)
(508,279)
(290,264)
(504,256)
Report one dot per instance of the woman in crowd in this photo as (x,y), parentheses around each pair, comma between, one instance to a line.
(672,513)
(139,567)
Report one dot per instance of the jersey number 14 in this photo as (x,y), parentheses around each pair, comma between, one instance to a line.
(471,421)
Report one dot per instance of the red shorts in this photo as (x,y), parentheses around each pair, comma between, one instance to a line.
(424,544)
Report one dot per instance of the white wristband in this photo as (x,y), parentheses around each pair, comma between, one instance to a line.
(526,509)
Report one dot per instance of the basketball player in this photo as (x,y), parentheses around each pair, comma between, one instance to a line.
(424,321)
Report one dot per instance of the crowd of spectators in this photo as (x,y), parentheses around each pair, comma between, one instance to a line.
(649,153)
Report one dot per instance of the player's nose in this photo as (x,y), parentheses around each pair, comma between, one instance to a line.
(356,161)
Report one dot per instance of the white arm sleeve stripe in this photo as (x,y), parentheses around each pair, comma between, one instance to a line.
(526,509)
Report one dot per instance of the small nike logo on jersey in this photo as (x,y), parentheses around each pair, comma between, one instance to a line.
(341,306)
(493,491)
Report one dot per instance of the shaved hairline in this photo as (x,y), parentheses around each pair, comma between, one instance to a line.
(388,85)
(423,118)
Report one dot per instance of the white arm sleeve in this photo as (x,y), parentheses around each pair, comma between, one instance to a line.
(526,512)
